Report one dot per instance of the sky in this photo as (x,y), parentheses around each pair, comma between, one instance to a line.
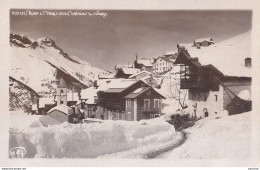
(117,37)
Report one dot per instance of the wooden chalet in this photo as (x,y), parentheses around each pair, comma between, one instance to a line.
(213,79)
(132,102)
(203,42)
(193,75)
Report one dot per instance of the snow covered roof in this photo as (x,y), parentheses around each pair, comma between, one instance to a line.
(130,70)
(105,76)
(140,91)
(119,66)
(145,62)
(114,90)
(34,107)
(184,45)
(203,39)
(112,85)
(62,108)
(227,56)
(120,85)
(168,59)
(134,75)
(44,101)
(170,53)
(89,94)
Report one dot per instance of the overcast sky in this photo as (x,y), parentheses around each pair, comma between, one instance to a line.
(115,39)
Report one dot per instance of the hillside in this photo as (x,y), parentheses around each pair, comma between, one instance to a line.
(20,95)
(39,64)
(217,137)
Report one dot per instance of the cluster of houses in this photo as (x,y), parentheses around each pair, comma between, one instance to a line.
(131,93)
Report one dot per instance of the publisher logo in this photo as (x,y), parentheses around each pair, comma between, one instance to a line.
(17,152)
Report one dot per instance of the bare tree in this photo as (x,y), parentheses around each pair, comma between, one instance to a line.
(177,93)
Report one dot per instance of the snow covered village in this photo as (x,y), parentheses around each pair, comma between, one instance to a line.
(195,95)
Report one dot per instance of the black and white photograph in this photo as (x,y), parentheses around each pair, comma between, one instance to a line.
(103,84)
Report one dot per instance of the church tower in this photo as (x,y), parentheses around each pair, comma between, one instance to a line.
(61,94)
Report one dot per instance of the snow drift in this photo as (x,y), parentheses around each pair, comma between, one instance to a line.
(216,137)
(90,140)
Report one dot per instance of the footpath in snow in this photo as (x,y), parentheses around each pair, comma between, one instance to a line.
(149,151)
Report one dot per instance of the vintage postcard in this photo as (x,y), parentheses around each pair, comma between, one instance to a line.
(146,86)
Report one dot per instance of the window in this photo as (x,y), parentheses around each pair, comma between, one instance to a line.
(61,92)
(156,103)
(216,98)
(61,102)
(146,104)
(152,116)
(156,115)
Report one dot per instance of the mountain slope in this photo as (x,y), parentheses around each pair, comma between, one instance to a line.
(39,64)
(20,95)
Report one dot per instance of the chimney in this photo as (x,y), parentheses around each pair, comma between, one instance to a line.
(248,62)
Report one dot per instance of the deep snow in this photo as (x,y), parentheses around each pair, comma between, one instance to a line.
(216,137)
(92,140)
(220,55)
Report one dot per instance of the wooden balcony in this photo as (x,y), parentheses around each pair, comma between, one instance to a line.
(112,104)
(151,110)
(194,84)
(189,84)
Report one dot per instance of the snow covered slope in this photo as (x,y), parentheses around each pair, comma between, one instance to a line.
(35,62)
(216,137)
(39,64)
(20,95)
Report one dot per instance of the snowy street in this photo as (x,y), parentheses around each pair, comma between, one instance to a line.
(123,139)
(149,139)
(149,151)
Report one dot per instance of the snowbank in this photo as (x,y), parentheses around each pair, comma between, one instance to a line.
(19,119)
(223,137)
(91,140)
